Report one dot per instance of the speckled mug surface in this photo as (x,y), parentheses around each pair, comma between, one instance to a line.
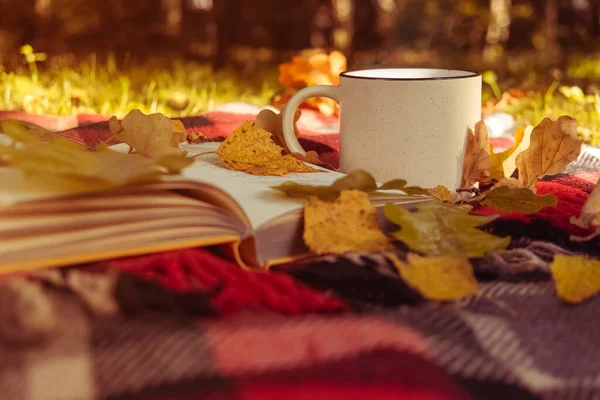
(400,122)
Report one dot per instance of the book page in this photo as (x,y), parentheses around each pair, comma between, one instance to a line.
(253,193)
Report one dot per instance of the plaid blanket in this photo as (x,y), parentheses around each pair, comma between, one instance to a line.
(190,325)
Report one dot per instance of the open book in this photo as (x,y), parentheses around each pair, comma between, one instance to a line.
(206,205)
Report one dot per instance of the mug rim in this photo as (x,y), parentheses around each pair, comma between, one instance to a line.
(469,74)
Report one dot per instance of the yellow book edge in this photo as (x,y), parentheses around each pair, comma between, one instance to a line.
(241,251)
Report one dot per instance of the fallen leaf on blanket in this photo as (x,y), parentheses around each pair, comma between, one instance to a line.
(505,199)
(590,213)
(554,144)
(441,192)
(437,278)
(355,180)
(273,123)
(251,149)
(347,224)
(577,278)
(152,135)
(476,164)
(497,160)
(589,217)
(441,229)
(59,162)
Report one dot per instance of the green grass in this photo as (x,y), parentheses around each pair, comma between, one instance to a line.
(554,100)
(176,88)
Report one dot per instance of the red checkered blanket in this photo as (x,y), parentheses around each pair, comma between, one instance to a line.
(191,325)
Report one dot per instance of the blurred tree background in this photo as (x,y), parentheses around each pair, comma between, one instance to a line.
(182,57)
(480,32)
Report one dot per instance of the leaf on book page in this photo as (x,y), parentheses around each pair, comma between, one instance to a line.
(577,278)
(442,193)
(59,160)
(507,199)
(497,160)
(312,157)
(273,123)
(554,144)
(355,180)
(152,135)
(437,278)
(400,184)
(440,229)
(251,149)
(347,224)
(476,164)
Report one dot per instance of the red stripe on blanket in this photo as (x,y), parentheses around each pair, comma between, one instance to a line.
(199,269)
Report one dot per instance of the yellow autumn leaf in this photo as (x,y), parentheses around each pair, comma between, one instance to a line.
(554,144)
(577,278)
(58,160)
(437,278)
(152,135)
(251,149)
(23,132)
(441,192)
(442,229)
(476,163)
(497,159)
(346,224)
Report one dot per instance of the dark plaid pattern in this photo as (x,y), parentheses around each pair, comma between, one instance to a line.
(65,336)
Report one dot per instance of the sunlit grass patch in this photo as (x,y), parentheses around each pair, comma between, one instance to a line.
(176,88)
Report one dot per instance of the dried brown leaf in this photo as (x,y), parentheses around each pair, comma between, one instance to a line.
(554,144)
(476,164)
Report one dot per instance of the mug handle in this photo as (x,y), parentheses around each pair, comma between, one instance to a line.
(289,111)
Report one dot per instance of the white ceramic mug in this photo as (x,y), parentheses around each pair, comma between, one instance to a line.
(400,123)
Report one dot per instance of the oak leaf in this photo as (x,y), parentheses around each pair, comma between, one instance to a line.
(554,144)
(440,229)
(576,278)
(505,199)
(347,224)
(438,278)
(251,149)
(153,135)
(476,163)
